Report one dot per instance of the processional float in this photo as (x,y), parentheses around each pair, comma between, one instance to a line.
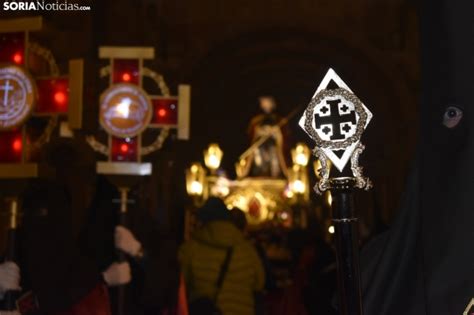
(126,113)
(29,95)
(335,120)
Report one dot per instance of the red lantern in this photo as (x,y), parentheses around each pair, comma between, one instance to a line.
(125,71)
(124,149)
(53,96)
(11,146)
(12,48)
(165,111)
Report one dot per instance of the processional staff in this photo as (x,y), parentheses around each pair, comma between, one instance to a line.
(335,119)
(126,112)
(10,255)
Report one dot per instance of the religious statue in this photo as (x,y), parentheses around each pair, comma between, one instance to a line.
(265,157)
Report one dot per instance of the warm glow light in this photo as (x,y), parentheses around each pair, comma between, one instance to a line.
(196,180)
(60,97)
(329,198)
(288,192)
(196,188)
(331,229)
(162,112)
(126,77)
(298,179)
(124,148)
(17,145)
(221,187)
(18,58)
(299,186)
(213,162)
(123,108)
(213,156)
(301,159)
(300,154)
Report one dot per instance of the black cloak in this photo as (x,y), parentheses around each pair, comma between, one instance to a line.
(154,277)
(425,263)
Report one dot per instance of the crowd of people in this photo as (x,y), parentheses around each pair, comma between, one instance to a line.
(223,268)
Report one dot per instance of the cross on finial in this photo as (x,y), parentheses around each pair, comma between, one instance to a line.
(335,119)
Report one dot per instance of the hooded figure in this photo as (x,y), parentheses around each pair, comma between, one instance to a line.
(68,254)
(425,263)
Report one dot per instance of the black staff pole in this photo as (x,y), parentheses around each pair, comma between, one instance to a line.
(121,255)
(10,255)
(347,241)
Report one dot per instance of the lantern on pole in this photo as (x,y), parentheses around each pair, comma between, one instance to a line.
(213,157)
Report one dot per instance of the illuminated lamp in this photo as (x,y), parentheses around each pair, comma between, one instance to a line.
(300,154)
(53,96)
(124,149)
(60,97)
(196,185)
(165,111)
(18,58)
(126,77)
(213,157)
(297,180)
(125,71)
(162,112)
(17,145)
(12,48)
(11,146)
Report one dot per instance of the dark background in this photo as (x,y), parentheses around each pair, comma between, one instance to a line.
(233,51)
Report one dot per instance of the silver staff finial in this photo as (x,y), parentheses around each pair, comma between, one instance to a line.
(335,119)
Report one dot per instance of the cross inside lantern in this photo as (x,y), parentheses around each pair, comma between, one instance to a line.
(24,94)
(127,110)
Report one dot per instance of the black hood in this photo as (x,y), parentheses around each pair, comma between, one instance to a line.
(425,263)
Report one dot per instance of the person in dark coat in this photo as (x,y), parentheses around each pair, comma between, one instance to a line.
(425,263)
(56,278)
(70,239)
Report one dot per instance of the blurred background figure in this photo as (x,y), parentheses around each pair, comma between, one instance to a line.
(222,270)
(267,159)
